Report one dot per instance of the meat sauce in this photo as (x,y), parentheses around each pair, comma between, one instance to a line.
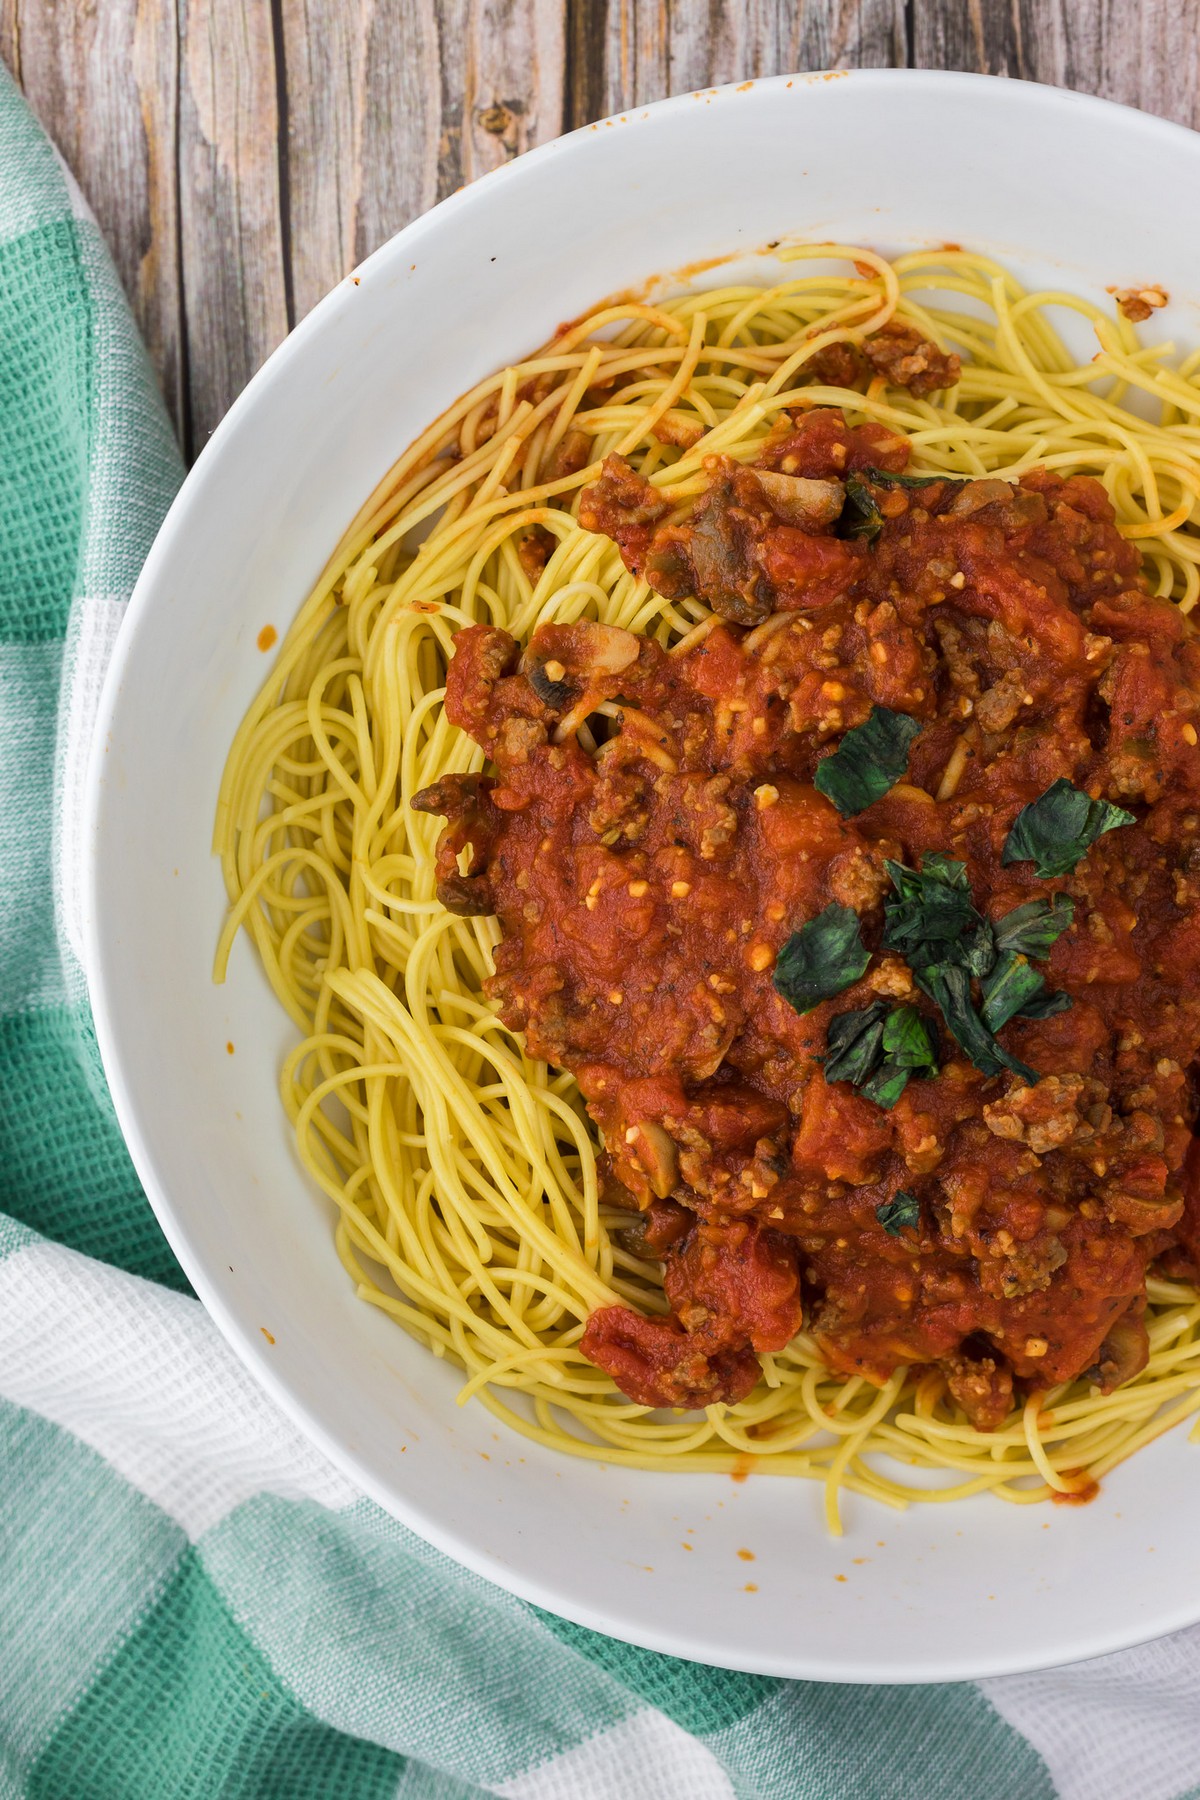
(645,890)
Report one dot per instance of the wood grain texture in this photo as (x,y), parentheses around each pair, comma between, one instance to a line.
(363,117)
(231,221)
(502,83)
(391,108)
(626,52)
(1143,52)
(104,82)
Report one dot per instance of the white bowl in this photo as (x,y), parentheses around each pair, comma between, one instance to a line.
(1060,186)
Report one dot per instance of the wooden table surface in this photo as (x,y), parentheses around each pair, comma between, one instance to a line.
(242,155)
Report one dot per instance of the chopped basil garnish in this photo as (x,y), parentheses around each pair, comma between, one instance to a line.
(901,1213)
(946,941)
(1055,830)
(855,1043)
(868,761)
(886,1085)
(908,1040)
(878,1049)
(821,959)
(861,516)
(948,985)
(1044,1006)
(1007,987)
(935,925)
(1034,928)
(934,916)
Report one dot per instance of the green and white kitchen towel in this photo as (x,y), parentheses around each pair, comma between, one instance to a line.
(192,1601)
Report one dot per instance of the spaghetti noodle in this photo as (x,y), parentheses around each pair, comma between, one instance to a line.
(464,1171)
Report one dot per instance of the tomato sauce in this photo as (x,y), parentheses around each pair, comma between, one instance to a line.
(645,889)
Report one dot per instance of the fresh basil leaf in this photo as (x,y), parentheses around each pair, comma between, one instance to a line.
(901,1213)
(861,502)
(1044,1006)
(1008,986)
(976,949)
(934,906)
(907,1041)
(936,866)
(886,1085)
(855,1042)
(821,959)
(870,759)
(949,987)
(1034,928)
(861,517)
(878,1048)
(1059,827)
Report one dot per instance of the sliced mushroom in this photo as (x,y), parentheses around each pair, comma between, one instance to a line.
(553,692)
(654,1151)
(600,649)
(453,797)
(463,801)
(468,896)
(563,660)
(975,495)
(1123,1354)
(812,505)
(1140,1216)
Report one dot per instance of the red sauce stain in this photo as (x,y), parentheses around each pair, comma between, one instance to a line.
(266,637)
(956,247)
(1082,1496)
(743,1467)
(356,281)
(746,1555)
(841,1578)
(751,1587)
(744,88)
(229,1048)
(687,1546)
(266,1334)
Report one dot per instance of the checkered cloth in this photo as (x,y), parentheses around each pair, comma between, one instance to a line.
(192,1601)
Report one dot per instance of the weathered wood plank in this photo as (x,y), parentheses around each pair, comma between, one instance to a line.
(1142,53)
(739,40)
(231,219)
(104,82)
(390,108)
(364,113)
(502,83)
(624,53)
